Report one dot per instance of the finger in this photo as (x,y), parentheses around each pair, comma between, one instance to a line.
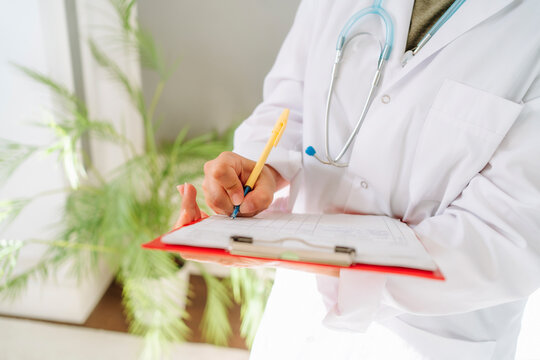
(255,202)
(216,197)
(232,186)
(260,197)
(178,222)
(180,189)
(189,210)
(226,170)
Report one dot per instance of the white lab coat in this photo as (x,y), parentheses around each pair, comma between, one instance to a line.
(453,150)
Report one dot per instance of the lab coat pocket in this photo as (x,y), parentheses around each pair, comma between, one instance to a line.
(462,130)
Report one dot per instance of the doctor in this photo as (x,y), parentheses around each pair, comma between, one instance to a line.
(449,142)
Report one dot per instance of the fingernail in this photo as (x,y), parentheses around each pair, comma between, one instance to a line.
(180,189)
(236,199)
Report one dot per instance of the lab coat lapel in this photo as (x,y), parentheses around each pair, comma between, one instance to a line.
(470,14)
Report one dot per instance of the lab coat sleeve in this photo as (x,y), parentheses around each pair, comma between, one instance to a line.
(283,88)
(486,242)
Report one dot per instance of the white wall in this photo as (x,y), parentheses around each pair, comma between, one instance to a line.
(224,49)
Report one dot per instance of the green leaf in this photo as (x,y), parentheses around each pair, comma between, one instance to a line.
(15,285)
(12,155)
(150,55)
(72,162)
(215,325)
(153,309)
(104,131)
(115,71)
(9,253)
(251,290)
(58,89)
(10,209)
(124,11)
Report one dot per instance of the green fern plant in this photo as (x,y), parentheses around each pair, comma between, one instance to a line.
(110,219)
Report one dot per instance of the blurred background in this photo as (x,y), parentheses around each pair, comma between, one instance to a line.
(78,78)
(222,49)
(198,67)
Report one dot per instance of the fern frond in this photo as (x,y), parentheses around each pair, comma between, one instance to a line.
(58,89)
(251,314)
(150,55)
(69,127)
(104,131)
(154,310)
(118,75)
(9,252)
(251,290)
(124,12)
(215,325)
(15,285)
(138,39)
(10,209)
(12,155)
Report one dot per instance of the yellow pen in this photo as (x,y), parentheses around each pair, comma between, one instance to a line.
(272,142)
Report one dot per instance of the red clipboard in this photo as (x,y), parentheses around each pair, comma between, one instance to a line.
(157,244)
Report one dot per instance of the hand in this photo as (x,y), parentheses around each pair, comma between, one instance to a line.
(223,185)
(190,211)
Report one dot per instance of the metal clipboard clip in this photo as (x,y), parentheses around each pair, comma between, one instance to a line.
(246,246)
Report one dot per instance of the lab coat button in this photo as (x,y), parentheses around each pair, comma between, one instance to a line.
(385,99)
(364,184)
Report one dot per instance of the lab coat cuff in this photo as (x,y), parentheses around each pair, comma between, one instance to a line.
(353,301)
(286,162)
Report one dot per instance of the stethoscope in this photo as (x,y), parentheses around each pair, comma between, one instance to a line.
(386,49)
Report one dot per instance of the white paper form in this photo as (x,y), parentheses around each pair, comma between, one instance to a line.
(378,240)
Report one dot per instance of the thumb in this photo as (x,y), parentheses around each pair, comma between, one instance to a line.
(189,210)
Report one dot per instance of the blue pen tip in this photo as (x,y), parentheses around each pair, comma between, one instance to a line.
(235,212)
(247,189)
(310,151)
